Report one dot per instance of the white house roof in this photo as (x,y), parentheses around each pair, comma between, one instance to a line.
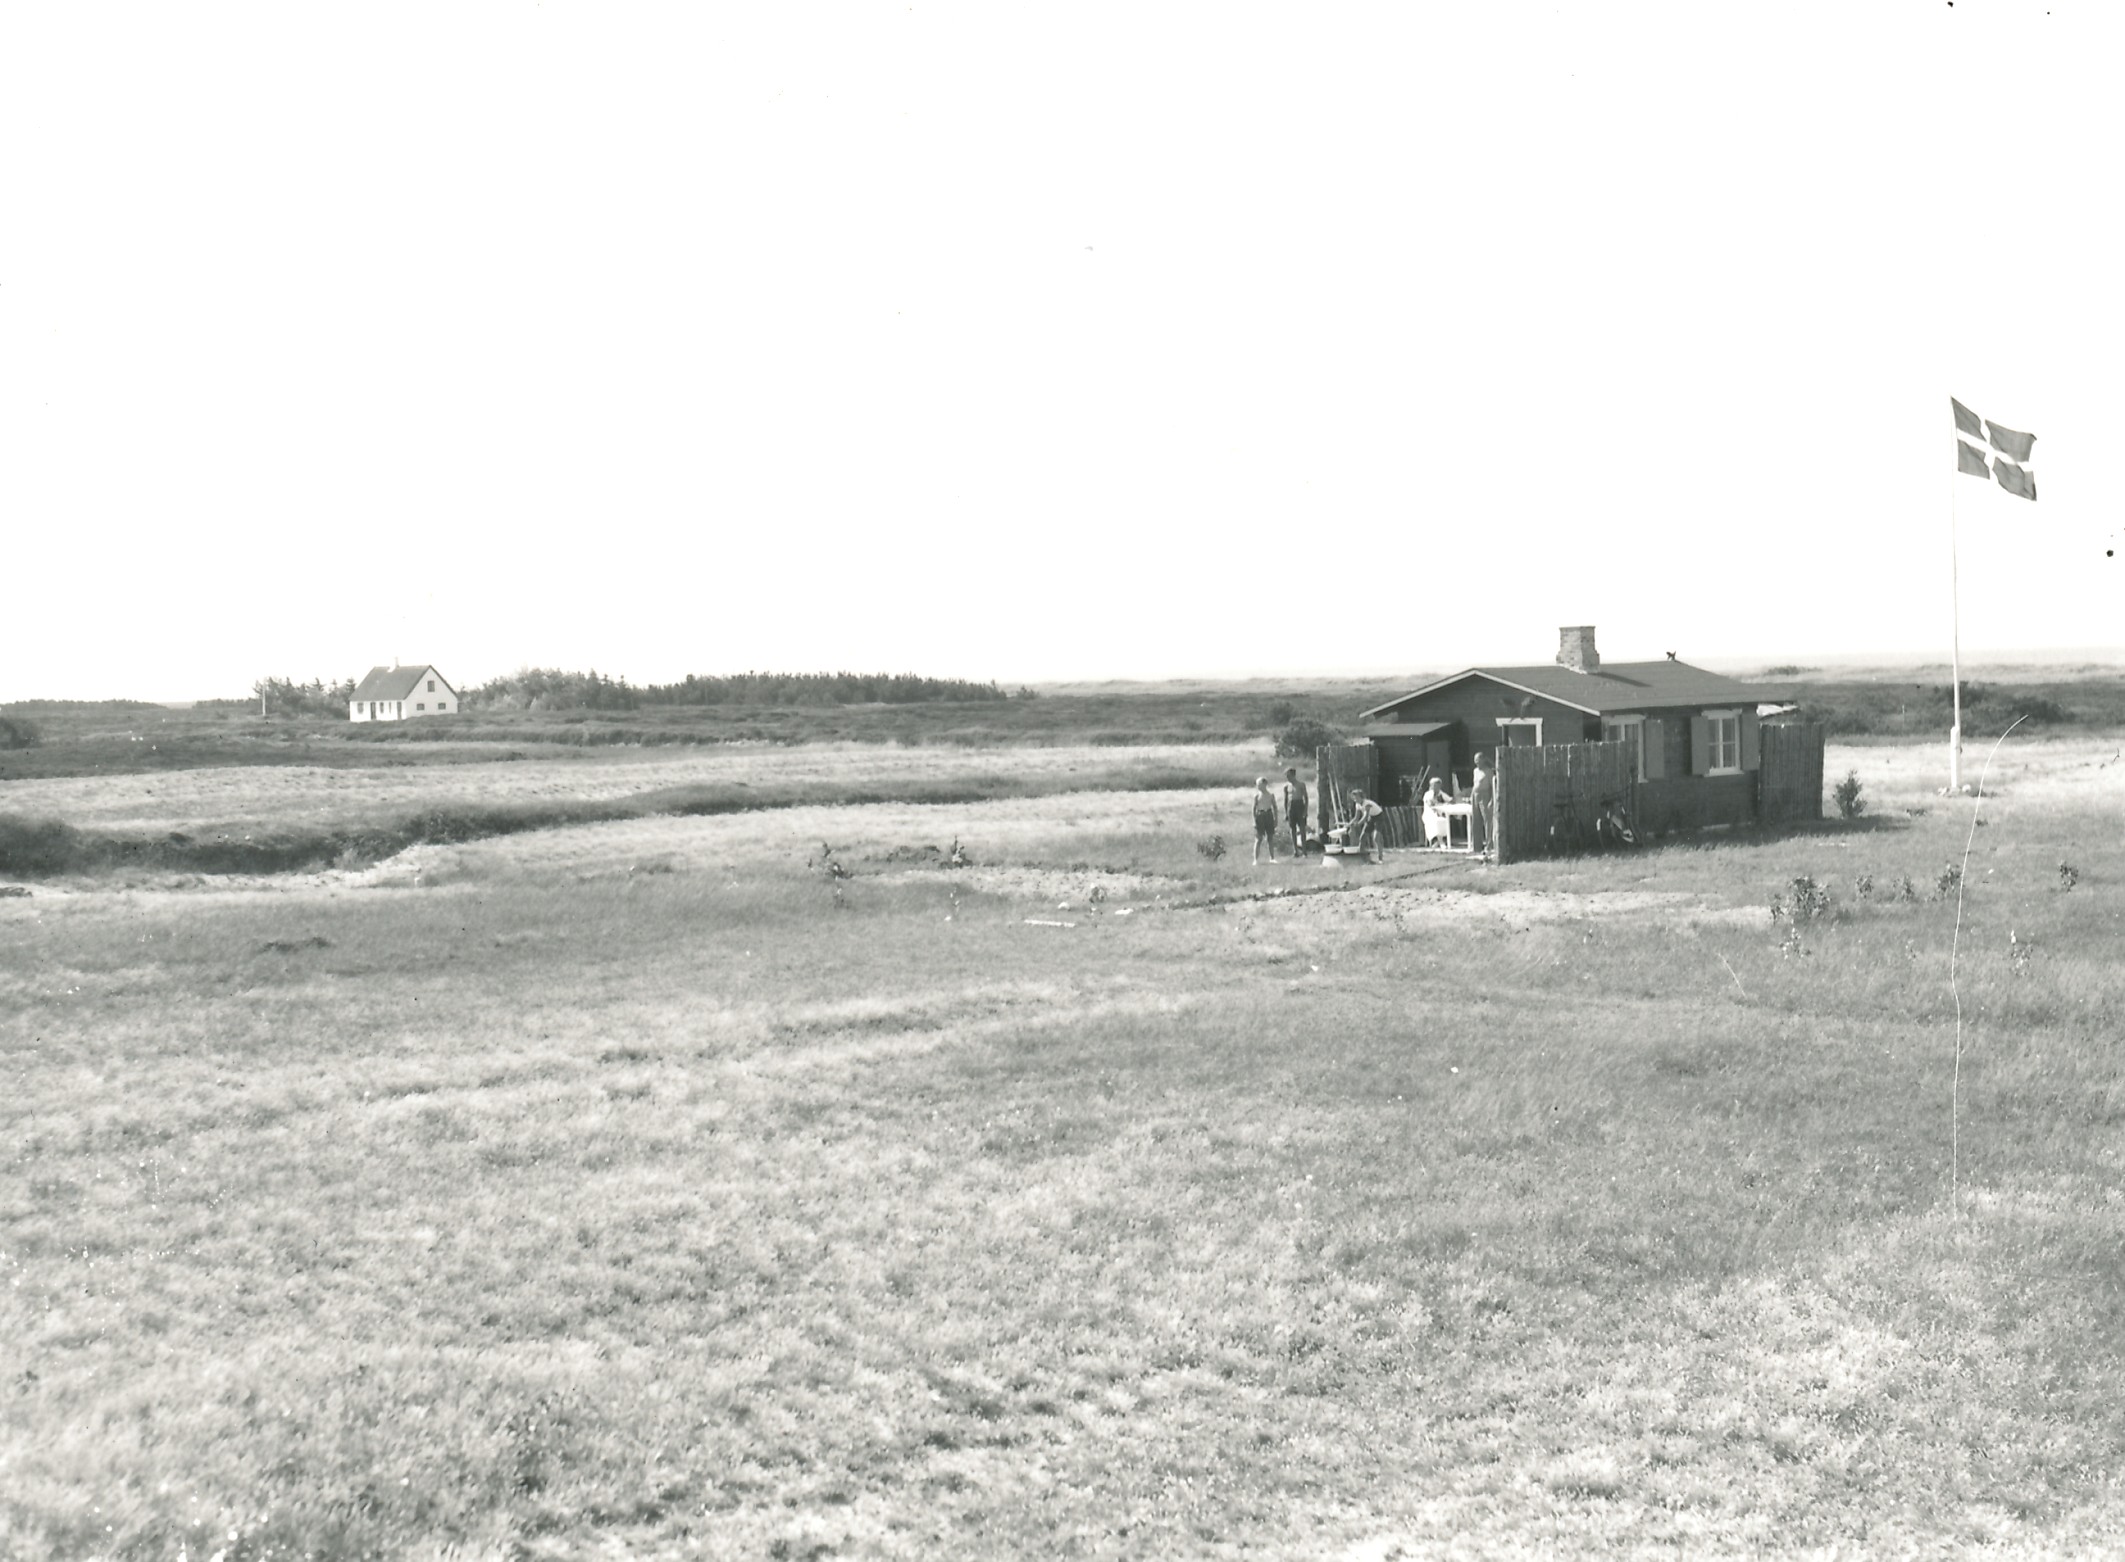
(395,683)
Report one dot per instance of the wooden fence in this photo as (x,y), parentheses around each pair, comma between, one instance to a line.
(1544,792)
(1343,768)
(1789,786)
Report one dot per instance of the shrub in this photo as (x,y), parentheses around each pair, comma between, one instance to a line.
(37,845)
(1948,880)
(1283,713)
(1210,847)
(1865,885)
(19,732)
(1850,805)
(1300,738)
(1804,900)
(2069,875)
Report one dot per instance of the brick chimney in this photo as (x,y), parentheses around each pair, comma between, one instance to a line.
(1575,648)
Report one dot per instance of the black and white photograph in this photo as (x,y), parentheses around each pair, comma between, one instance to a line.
(963,781)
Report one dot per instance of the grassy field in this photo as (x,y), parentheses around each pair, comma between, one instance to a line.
(643,1187)
(126,737)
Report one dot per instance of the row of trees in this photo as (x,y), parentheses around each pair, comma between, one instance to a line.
(286,697)
(545,688)
(819,689)
(549,688)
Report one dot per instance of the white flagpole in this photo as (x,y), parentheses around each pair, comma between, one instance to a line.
(1955,645)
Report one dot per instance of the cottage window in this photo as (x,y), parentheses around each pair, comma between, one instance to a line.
(1520,731)
(421,705)
(1722,729)
(1630,730)
(431,686)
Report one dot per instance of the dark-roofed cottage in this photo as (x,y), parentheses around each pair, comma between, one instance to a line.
(400,694)
(1694,735)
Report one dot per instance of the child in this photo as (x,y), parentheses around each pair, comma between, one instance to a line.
(1264,820)
(1363,832)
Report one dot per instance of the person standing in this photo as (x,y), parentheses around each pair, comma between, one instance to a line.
(1264,820)
(1295,809)
(1485,795)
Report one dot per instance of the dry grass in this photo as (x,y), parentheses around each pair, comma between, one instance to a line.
(611,1187)
(254,798)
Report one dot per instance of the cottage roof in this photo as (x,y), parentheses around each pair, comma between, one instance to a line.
(393,683)
(1618,686)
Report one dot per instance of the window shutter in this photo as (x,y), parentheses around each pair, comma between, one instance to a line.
(1750,748)
(1656,748)
(1700,746)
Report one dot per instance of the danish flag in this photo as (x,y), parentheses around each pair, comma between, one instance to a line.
(2010,465)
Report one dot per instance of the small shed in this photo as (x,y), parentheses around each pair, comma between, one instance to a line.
(1694,737)
(397,693)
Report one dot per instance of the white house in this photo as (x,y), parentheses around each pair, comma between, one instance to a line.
(401,693)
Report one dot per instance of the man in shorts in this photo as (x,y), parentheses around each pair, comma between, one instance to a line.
(1264,820)
(1295,801)
(1485,795)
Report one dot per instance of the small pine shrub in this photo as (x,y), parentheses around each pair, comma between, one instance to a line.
(19,732)
(1864,884)
(2069,875)
(1210,848)
(1948,880)
(1804,900)
(1850,805)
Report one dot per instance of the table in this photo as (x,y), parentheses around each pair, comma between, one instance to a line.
(1461,814)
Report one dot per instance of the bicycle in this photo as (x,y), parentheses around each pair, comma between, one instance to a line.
(1612,826)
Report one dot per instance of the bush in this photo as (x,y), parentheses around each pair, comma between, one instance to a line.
(1850,805)
(19,732)
(1300,738)
(1804,901)
(37,845)
(1210,847)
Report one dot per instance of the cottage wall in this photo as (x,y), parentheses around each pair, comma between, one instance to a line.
(1476,704)
(1696,801)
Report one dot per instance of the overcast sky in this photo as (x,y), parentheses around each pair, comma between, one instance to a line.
(1065,341)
